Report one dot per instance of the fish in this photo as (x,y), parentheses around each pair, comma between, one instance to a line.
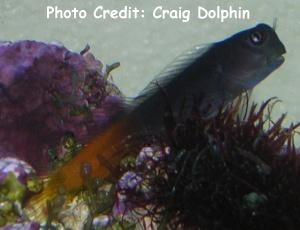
(218,73)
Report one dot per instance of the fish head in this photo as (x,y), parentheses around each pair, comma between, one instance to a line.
(251,55)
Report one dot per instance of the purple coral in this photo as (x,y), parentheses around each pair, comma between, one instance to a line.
(47,91)
(23,226)
(135,184)
(129,180)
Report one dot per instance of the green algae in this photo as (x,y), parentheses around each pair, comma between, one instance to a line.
(11,189)
(11,193)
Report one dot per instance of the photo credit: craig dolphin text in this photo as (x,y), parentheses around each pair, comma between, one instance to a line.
(159,12)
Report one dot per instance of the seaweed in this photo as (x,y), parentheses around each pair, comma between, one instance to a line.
(224,172)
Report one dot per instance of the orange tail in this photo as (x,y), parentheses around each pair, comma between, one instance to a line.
(97,154)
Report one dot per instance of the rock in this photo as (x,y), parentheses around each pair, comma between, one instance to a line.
(47,91)
(75,215)
(102,221)
(19,168)
(23,226)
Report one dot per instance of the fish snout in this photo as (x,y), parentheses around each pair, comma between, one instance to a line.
(281,49)
(277,55)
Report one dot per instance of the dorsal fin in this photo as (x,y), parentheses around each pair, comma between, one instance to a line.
(170,72)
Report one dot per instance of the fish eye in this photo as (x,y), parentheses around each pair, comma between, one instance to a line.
(256,38)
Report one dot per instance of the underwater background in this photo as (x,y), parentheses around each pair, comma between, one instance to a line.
(264,183)
(145,46)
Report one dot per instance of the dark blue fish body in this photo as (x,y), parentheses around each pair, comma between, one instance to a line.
(217,73)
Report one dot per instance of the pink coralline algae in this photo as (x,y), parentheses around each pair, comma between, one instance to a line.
(19,168)
(21,226)
(47,91)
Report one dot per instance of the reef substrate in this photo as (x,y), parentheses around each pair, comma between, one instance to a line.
(48,93)
(52,102)
(223,172)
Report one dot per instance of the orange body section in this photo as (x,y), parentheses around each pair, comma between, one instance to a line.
(97,154)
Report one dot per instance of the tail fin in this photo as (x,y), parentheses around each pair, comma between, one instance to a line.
(97,154)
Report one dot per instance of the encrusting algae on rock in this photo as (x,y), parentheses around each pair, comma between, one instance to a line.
(46,92)
(17,179)
(52,102)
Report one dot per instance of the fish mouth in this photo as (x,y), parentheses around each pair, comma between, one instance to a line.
(278,58)
(276,62)
(252,80)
